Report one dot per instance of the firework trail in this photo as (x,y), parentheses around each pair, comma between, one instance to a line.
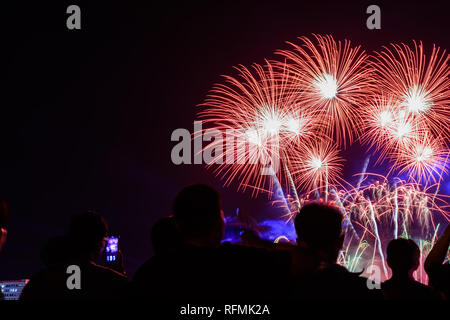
(370,207)
(395,216)
(378,239)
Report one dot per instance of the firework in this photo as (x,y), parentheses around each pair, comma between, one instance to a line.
(317,166)
(425,160)
(380,124)
(378,211)
(293,117)
(283,115)
(406,120)
(382,211)
(389,128)
(420,84)
(263,117)
(336,81)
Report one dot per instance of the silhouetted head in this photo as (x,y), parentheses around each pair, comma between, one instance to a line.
(319,227)
(87,235)
(4,215)
(55,251)
(198,214)
(164,236)
(403,256)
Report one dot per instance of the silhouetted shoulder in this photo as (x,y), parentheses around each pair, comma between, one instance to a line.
(227,271)
(102,283)
(439,278)
(408,290)
(109,273)
(335,283)
(47,284)
(97,283)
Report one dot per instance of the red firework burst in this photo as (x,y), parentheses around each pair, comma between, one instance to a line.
(316,166)
(378,126)
(420,84)
(425,160)
(388,127)
(336,81)
(262,114)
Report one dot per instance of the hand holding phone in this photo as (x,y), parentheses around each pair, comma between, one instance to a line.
(112,247)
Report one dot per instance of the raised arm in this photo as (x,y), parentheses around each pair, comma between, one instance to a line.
(437,254)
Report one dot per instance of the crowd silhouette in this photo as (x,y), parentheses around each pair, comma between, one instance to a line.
(191,260)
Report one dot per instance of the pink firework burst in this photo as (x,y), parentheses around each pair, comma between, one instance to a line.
(425,160)
(316,166)
(420,84)
(336,81)
(261,112)
(388,127)
(379,126)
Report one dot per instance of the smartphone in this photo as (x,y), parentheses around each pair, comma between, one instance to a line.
(112,247)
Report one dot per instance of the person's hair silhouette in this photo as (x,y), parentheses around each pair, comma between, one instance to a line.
(316,273)
(319,227)
(203,268)
(403,257)
(198,214)
(87,232)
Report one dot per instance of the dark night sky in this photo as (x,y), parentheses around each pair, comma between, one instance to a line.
(86,116)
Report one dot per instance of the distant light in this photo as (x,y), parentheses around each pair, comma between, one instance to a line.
(252,136)
(385,118)
(327,86)
(268,120)
(416,101)
(316,163)
(403,129)
(294,125)
(424,153)
(272,125)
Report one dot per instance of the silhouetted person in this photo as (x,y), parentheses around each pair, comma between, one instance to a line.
(316,273)
(164,236)
(198,213)
(4,215)
(85,242)
(403,257)
(438,272)
(201,266)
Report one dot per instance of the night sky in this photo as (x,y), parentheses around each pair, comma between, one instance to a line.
(87,115)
